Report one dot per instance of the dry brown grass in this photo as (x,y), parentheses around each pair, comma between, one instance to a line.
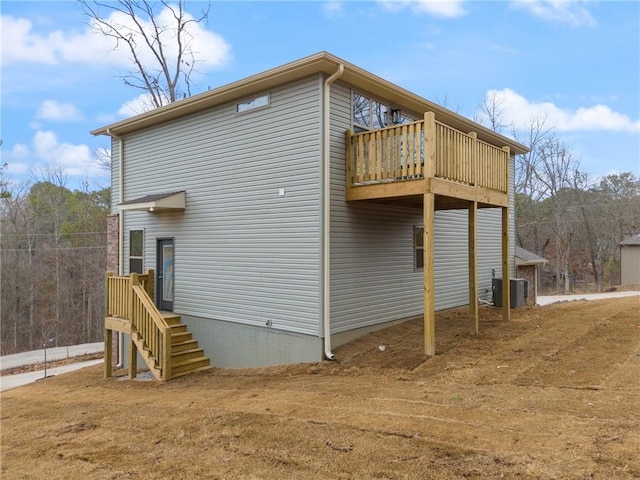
(553,394)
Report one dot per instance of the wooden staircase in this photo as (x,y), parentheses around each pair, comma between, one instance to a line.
(162,340)
(186,356)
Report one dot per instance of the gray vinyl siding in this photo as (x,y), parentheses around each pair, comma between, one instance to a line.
(372,257)
(243,253)
(372,260)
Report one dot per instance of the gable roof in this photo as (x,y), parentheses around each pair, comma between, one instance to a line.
(631,241)
(525,257)
(322,62)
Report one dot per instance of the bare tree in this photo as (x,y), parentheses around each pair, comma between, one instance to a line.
(102,158)
(493,111)
(160,45)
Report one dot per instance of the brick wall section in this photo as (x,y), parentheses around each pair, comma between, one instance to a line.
(527,272)
(113,237)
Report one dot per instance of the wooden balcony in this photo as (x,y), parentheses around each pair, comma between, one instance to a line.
(405,161)
(433,166)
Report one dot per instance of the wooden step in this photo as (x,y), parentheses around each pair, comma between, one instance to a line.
(186,356)
(186,345)
(170,317)
(178,357)
(189,372)
(178,328)
(180,337)
(187,366)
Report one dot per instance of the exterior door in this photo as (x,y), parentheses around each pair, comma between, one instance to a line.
(165,274)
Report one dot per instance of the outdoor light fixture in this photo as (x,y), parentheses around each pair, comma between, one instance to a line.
(396,115)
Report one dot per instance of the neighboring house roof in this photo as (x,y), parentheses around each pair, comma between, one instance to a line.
(525,257)
(631,241)
(321,62)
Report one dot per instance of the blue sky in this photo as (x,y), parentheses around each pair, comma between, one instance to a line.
(576,63)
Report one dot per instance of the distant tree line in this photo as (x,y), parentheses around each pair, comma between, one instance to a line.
(53,240)
(53,262)
(563,215)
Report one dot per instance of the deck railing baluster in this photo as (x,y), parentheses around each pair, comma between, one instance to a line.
(399,152)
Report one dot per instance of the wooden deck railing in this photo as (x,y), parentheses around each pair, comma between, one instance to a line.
(130,298)
(423,149)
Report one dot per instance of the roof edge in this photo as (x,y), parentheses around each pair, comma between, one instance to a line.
(321,62)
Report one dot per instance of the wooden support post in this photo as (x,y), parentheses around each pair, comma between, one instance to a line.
(107,306)
(166,360)
(108,352)
(507,170)
(133,280)
(430,145)
(348,164)
(150,283)
(133,358)
(473,268)
(133,351)
(506,282)
(108,337)
(473,168)
(506,298)
(429,293)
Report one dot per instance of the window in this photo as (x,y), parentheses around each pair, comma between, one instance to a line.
(418,248)
(361,112)
(136,251)
(371,114)
(252,103)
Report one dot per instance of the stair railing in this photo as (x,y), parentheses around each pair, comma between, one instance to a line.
(148,322)
(130,298)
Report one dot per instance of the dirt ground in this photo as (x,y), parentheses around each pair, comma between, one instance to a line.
(552,394)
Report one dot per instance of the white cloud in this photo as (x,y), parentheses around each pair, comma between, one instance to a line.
(142,103)
(436,8)
(518,111)
(16,159)
(333,9)
(17,168)
(45,150)
(58,112)
(20,42)
(75,160)
(17,43)
(573,12)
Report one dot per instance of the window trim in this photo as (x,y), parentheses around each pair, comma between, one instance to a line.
(136,257)
(249,107)
(418,249)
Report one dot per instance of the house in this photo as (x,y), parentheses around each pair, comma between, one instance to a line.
(527,265)
(630,261)
(289,212)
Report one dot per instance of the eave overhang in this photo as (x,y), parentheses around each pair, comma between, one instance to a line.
(156,203)
(319,63)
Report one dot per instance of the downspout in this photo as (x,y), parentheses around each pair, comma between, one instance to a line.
(326,208)
(120,363)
